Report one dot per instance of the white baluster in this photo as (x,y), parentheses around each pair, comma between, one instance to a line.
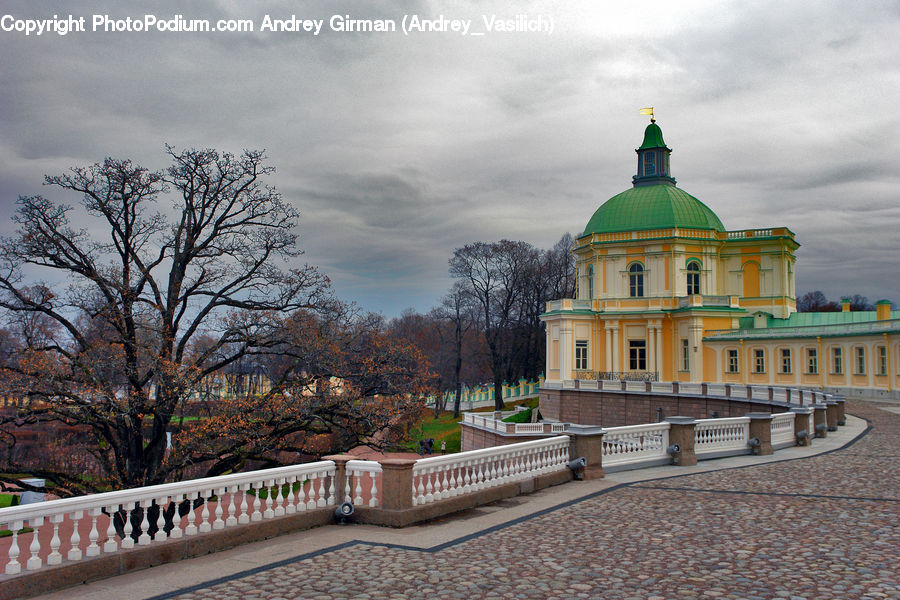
(231,521)
(13,566)
(467,478)
(75,541)
(322,502)
(205,525)
(270,500)
(176,531)
(191,528)
(420,490)
(291,507)
(34,563)
(93,548)
(301,500)
(348,475)
(244,516)
(111,545)
(331,494)
(358,489)
(160,534)
(55,557)
(373,501)
(452,483)
(144,538)
(279,497)
(256,515)
(127,541)
(429,488)
(311,502)
(219,523)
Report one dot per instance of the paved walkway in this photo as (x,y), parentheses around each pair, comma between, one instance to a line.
(822,527)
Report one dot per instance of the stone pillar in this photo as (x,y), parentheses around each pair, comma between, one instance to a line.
(801,423)
(396,483)
(340,475)
(819,419)
(587,441)
(842,418)
(761,427)
(681,432)
(831,415)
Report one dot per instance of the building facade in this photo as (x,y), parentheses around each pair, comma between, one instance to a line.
(666,292)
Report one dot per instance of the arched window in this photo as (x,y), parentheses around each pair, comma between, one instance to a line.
(590,286)
(636,280)
(693,278)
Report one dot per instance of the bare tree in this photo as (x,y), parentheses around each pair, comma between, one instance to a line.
(112,349)
(494,275)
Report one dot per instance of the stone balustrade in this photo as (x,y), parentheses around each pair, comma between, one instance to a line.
(395,492)
(120,520)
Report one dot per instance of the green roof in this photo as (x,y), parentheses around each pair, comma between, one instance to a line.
(817,319)
(653,137)
(652,207)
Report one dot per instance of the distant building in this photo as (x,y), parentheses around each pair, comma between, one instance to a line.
(666,292)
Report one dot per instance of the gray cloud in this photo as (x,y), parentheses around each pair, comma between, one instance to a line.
(398,149)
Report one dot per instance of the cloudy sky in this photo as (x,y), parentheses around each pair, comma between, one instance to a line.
(399,148)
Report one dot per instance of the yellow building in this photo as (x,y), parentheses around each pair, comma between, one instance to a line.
(666,292)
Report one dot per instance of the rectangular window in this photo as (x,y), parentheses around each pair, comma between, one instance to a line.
(860,360)
(649,163)
(685,355)
(882,360)
(812,361)
(637,354)
(837,361)
(733,361)
(759,361)
(786,360)
(581,355)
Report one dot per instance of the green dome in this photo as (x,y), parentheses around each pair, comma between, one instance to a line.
(652,207)
(653,137)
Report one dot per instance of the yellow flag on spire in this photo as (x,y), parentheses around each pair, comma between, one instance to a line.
(647,111)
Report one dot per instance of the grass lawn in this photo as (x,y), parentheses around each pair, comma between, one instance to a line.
(446,429)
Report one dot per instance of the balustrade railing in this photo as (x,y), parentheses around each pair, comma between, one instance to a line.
(634,444)
(783,429)
(453,475)
(362,478)
(721,435)
(111,521)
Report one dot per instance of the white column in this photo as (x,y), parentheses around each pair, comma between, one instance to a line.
(615,349)
(608,357)
(659,351)
(565,350)
(651,347)
(696,350)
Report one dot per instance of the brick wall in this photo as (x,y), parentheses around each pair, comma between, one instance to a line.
(474,438)
(615,409)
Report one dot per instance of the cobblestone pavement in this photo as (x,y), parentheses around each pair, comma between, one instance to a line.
(817,528)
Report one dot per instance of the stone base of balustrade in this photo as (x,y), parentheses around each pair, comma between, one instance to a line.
(428,512)
(68,574)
